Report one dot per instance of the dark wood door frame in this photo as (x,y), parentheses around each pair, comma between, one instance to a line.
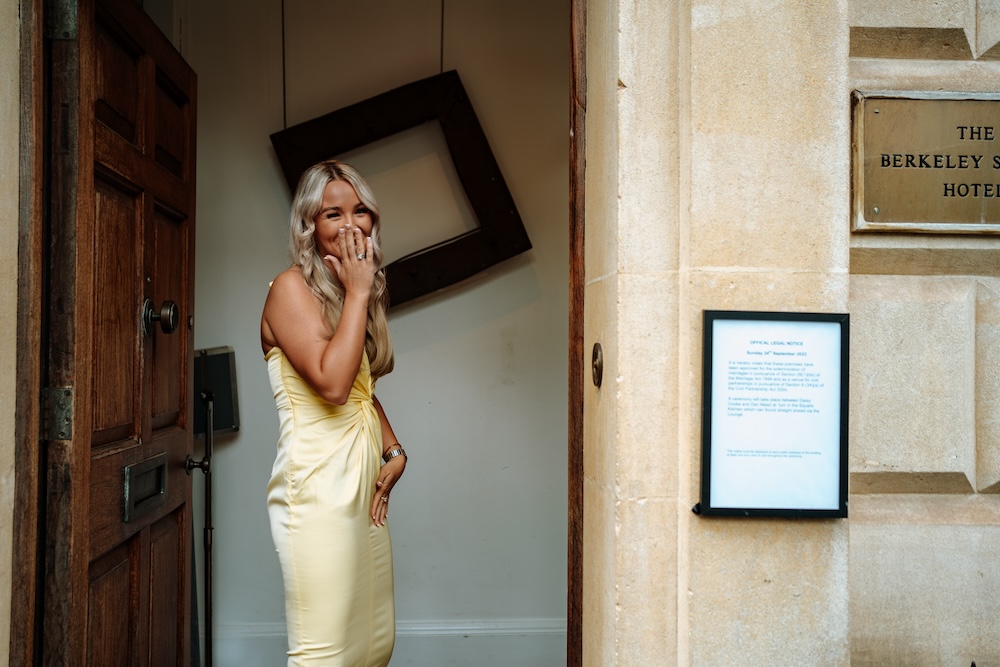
(29,491)
(577,172)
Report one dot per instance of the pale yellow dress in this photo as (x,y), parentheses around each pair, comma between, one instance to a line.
(337,565)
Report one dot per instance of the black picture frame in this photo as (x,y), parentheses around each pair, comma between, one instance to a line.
(442,98)
(768,357)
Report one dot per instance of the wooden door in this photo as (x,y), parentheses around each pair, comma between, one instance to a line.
(118,382)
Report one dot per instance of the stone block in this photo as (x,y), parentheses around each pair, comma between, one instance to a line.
(647,581)
(941,30)
(602,142)
(649,208)
(912,384)
(768,592)
(647,386)
(925,587)
(600,409)
(766,149)
(988,386)
(890,14)
(599,572)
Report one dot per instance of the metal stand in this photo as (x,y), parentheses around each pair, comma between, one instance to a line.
(205,465)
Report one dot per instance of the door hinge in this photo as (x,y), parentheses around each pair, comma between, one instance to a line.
(57,413)
(61,19)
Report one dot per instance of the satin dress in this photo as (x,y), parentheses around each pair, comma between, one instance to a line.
(336,564)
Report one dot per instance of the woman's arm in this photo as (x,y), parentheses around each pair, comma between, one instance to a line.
(389,439)
(390,472)
(293,320)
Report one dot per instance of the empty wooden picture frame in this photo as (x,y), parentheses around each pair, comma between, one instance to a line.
(442,98)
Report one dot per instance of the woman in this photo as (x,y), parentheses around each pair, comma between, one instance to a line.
(326,342)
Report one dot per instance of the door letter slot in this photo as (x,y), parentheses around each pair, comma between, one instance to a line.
(145,486)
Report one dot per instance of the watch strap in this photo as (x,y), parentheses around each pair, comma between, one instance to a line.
(393,452)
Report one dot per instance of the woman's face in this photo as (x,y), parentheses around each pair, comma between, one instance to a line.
(340,209)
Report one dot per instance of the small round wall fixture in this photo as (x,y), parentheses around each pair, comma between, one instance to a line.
(597,364)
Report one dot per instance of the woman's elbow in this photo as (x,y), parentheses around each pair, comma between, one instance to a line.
(335,397)
(330,389)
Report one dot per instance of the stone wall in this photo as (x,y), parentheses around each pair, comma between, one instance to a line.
(925,380)
(718,177)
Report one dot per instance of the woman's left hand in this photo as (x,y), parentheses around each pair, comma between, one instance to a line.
(388,475)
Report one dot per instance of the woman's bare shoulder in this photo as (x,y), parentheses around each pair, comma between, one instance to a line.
(289,279)
(289,299)
(290,295)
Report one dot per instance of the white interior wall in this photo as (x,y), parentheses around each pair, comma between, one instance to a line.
(478,396)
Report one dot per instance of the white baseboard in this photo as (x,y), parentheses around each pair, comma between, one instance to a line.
(526,642)
(495,627)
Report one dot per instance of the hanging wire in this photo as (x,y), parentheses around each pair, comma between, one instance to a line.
(284,75)
(284,92)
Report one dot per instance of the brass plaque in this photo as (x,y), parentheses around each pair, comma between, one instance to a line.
(926,164)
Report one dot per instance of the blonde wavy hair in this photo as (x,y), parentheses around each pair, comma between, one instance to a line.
(322,280)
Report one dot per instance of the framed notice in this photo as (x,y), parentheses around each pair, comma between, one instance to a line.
(774,414)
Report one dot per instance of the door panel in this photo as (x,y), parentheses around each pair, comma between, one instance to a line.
(111,608)
(117,81)
(117,374)
(157,484)
(123,184)
(169,131)
(169,243)
(165,589)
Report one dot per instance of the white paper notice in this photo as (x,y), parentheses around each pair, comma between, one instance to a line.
(775,414)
